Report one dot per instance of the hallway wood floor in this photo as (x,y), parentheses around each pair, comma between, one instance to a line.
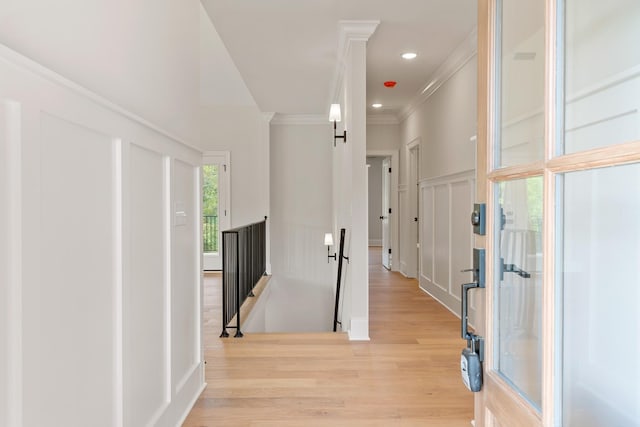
(407,375)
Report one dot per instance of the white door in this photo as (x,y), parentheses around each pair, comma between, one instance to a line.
(559,165)
(386,213)
(215,207)
(414,202)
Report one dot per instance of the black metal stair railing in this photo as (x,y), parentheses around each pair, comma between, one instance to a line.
(243,263)
(339,281)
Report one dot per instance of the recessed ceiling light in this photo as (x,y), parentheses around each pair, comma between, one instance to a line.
(376,105)
(409,55)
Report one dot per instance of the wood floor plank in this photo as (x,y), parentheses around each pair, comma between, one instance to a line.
(407,375)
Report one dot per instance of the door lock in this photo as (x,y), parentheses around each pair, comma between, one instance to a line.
(478,218)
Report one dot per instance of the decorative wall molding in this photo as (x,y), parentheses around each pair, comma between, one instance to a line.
(463,54)
(14,58)
(349,31)
(63,128)
(446,179)
(443,200)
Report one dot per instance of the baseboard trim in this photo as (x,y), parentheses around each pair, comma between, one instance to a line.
(359,329)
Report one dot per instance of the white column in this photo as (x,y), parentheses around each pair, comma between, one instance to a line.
(265,131)
(352,174)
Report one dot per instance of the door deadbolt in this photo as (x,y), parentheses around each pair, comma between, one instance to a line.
(478,218)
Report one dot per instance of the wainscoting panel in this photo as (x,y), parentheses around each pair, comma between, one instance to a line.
(403,203)
(441,235)
(10,262)
(426,234)
(91,335)
(145,358)
(184,296)
(76,309)
(446,236)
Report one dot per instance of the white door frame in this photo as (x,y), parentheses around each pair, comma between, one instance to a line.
(413,238)
(393,220)
(224,190)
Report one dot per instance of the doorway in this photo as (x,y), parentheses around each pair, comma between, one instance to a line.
(382,205)
(215,207)
(413,238)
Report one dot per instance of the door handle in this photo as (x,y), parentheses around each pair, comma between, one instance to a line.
(383,217)
(464,312)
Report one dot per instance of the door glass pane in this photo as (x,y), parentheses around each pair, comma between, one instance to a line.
(601,296)
(210,208)
(520,82)
(602,67)
(518,273)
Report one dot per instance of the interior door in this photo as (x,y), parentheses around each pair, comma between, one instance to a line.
(215,208)
(386,213)
(559,168)
(414,203)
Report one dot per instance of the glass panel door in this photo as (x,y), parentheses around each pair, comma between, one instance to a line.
(600,280)
(215,215)
(602,73)
(519,82)
(518,281)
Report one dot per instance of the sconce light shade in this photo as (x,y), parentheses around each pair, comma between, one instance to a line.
(334,113)
(328,239)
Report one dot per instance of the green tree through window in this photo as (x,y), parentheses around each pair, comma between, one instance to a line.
(210,208)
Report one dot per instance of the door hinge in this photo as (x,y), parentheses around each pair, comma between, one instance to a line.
(225,212)
(389,210)
(389,250)
(224,167)
(389,170)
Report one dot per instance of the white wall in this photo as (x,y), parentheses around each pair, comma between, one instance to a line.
(350,180)
(142,55)
(241,131)
(383,136)
(375,200)
(301,206)
(106,299)
(443,125)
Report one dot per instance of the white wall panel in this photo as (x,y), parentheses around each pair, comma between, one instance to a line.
(403,204)
(10,261)
(72,335)
(427,233)
(184,277)
(301,203)
(441,236)
(89,316)
(145,385)
(5,250)
(446,226)
(461,234)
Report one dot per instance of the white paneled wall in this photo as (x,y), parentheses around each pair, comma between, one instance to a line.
(101,285)
(446,236)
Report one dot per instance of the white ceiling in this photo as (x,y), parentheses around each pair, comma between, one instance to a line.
(286,50)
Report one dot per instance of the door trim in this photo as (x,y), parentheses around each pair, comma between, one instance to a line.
(224,196)
(394,223)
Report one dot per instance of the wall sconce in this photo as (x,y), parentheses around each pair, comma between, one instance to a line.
(328,241)
(334,116)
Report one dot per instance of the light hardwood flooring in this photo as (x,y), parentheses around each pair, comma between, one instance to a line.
(407,375)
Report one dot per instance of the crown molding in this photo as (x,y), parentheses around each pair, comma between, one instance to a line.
(349,31)
(382,119)
(458,59)
(299,119)
(268,116)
